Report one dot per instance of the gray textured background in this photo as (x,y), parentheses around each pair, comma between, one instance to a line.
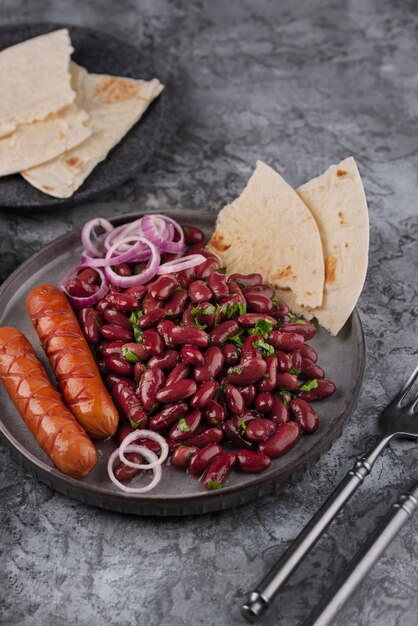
(301,85)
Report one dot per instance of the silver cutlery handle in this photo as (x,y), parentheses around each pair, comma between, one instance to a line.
(260,599)
(397,516)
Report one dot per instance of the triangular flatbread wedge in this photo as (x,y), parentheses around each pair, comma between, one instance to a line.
(269,230)
(114,105)
(34,80)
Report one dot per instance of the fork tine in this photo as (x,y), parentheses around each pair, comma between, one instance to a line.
(407,386)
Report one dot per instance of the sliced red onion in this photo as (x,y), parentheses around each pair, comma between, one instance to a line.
(133,254)
(87,234)
(152,227)
(150,456)
(81,303)
(137,279)
(183,263)
(143,434)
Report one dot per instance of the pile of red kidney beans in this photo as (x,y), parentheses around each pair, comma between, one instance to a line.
(207,361)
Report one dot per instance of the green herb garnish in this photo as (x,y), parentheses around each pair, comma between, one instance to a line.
(217,313)
(286,397)
(242,424)
(134,318)
(133,423)
(186,230)
(233,309)
(129,355)
(295,371)
(183,425)
(214,485)
(296,319)
(236,339)
(235,370)
(262,327)
(222,270)
(169,313)
(266,348)
(309,385)
(178,288)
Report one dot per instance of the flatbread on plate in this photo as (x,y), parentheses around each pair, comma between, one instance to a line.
(269,230)
(114,105)
(34,80)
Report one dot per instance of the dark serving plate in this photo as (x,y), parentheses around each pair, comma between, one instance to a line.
(177,493)
(102,54)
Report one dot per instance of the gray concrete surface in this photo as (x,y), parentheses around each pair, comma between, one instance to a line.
(300,85)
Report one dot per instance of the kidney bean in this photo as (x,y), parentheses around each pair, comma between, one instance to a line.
(169,414)
(116,333)
(204,394)
(151,445)
(204,270)
(324,389)
(296,359)
(118,365)
(176,303)
(128,402)
(210,435)
(306,329)
(138,349)
(250,319)
(231,353)
(268,382)
(76,288)
(246,280)
(307,352)
(91,327)
(280,312)
(186,426)
(124,472)
(190,335)
(122,302)
(281,441)
(179,372)
(217,283)
(198,248)
(124,429)
(193,234)
(279,412)
(185,277)
(115,289)
(150,304)
(110,348)
(192,355)
(260,429)
(82,315)
(235,429)
(183,455)
(117,318)
(310,369)
(234,400)
(152,342)
(213,413)
(203,458)
(258,303)
(199,291)
(218,471)
(151,318)
(236,292)
(284,361)
(304,414)
(180,390)
(250,461)
(223,332)
(150,383)
(137,292)
(263,402)
(164,329)
(246,373)
(114,379)
(188,319)
(287,382)
(248,350)
(123,269)
(163,287)
(139,370)
(89,275)
(286,341)
(102,305)
(248,392)
(168,361)
(205,314)
(214,360)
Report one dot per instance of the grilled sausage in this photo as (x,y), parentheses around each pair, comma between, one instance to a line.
(72,361)
(41,406)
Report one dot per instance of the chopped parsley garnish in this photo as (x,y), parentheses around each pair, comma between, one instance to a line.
(217,313)
(286,397)
(262,327)
(309,385)
(169,313)
(222,270)
(196,310)
(236,339)
(208,310)
(186,230)
(266,348)
(235,370)
(295,371)
(129,355)
(242,424)
(183,425)
(135,316)
(296,319)
(275,302)
(214,485)
(133,423)
(178,288)
(190,455)
(233,309)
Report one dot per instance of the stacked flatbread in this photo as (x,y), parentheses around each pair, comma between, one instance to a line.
(57,121)
(310,244)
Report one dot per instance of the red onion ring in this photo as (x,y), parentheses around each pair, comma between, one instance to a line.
(143,434)
(133,254)
(150,456)
(136,279)
(84,302)
(183,263)
(88,231)
(151,227)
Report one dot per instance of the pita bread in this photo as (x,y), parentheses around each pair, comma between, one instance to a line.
(338,203)
(32,144)
(34,80)
(114,105)
(269,230)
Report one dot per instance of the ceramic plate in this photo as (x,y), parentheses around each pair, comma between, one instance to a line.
(101,54)
(177,494)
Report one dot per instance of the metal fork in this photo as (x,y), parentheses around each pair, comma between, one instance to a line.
(397,420)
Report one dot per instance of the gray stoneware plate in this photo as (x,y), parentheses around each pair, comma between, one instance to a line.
(177,494)
(102,54)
